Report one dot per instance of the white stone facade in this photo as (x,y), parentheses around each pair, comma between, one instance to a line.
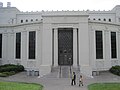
(46,24)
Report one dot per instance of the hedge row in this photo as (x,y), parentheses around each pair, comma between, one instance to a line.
(11,67)
(115,70)
(5,74)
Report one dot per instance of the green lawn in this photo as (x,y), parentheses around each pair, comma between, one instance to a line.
(19,86)
(104,86)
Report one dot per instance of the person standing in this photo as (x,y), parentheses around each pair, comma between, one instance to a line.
(81,81)
(73,79)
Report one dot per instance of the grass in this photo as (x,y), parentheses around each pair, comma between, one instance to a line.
(19,86)
(104,86)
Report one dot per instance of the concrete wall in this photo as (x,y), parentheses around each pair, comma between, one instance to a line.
(36,17)
(9,45)
(66,21)
(78,20)
(107,61)
(8,15)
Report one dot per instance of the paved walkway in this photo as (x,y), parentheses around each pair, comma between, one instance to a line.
(61,83)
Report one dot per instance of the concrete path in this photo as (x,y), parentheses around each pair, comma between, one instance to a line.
(61,83)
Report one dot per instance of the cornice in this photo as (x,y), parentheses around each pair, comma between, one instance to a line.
(107,23)
(15,25)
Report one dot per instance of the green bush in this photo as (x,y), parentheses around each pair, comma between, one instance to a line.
(11,67)
(3,75)
(115,70)
(20,68)
(9,73)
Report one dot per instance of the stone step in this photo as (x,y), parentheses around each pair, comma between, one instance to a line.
(63,71)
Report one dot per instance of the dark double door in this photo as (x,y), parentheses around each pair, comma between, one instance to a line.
(65,46)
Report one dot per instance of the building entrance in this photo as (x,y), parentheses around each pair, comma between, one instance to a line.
(65,46)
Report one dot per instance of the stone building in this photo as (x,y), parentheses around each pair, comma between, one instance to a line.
(87,41)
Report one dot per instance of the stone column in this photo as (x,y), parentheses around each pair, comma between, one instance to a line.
(106,39)
(75,47)
(55,47)
(5,48)
(38,48)
(83,34)
(24,48)
(10,47)
(118,48)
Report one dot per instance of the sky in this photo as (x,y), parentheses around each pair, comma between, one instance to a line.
(39,5)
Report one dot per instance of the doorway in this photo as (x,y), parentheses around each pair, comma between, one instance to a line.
(65,46)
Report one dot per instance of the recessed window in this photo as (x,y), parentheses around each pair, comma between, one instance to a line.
(36,19)
(113,45)
(21,21)
(93,18)
(31,20)
(99,19)
(104,19)
(88,18)
(0,45)
(109,20)
(18,45)
(26,20)
(119,19)
(32,41)
(99,45)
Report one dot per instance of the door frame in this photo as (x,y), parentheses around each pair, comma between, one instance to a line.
(67,54)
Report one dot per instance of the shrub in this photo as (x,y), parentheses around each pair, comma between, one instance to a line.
(3,75)
(20,68)
(11,67)
(115,70)
(9,73)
